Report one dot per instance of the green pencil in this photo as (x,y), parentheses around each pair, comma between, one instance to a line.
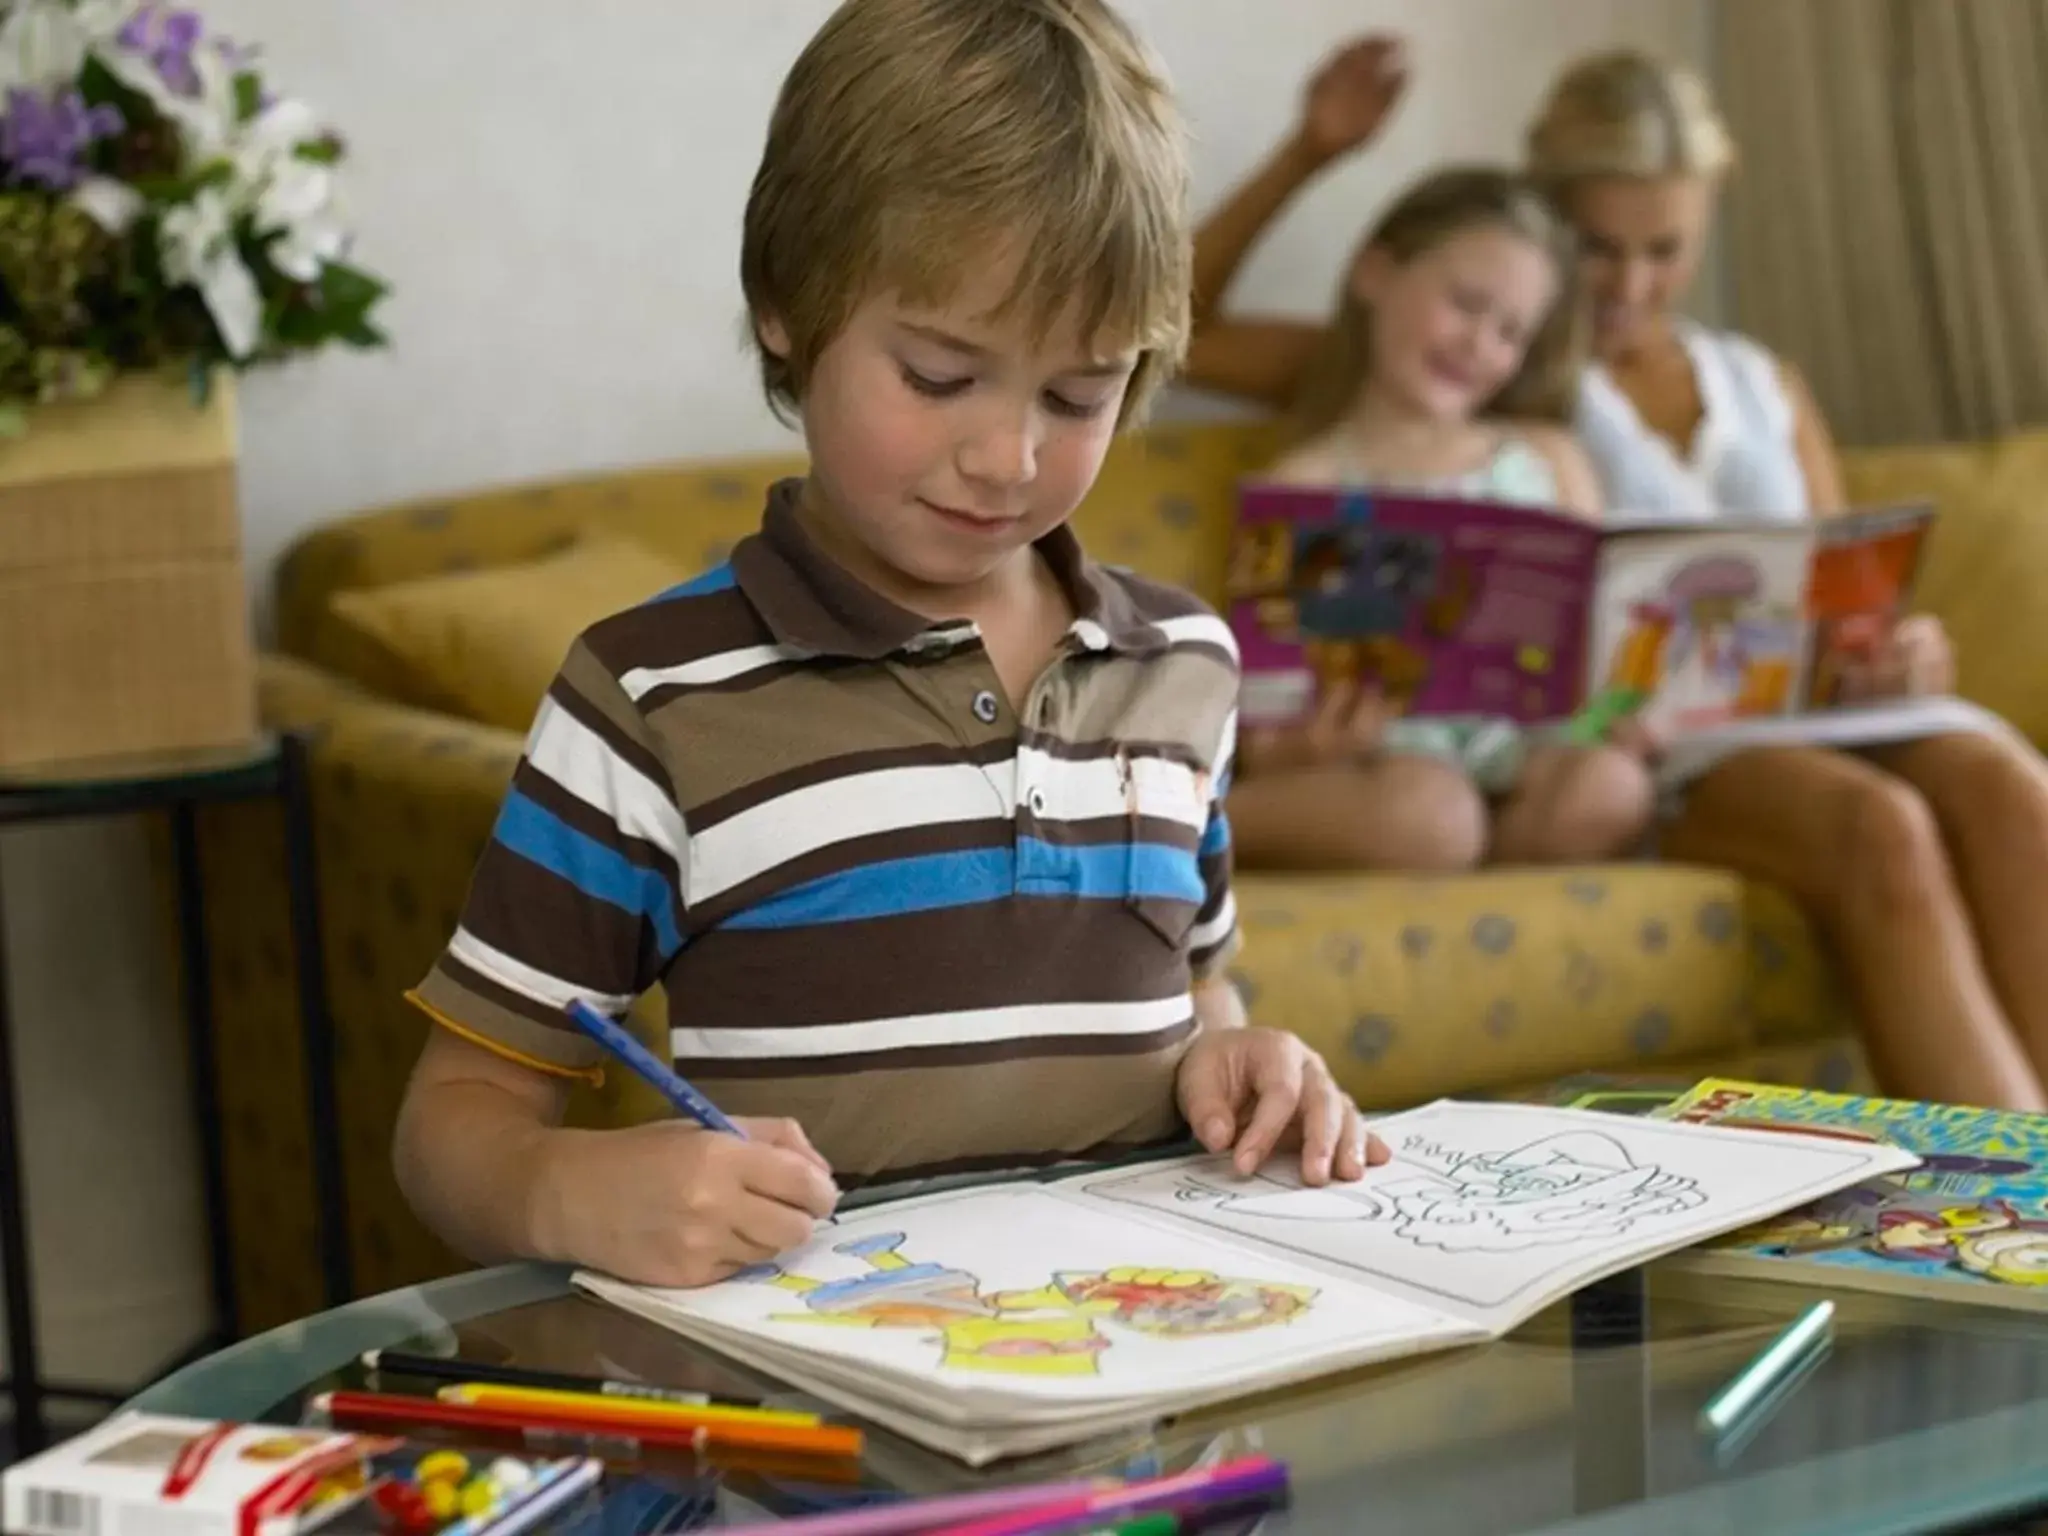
(1779,1362)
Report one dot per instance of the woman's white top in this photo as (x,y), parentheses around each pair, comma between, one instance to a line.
(1744,457)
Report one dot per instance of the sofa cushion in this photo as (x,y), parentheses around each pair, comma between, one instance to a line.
(485,644)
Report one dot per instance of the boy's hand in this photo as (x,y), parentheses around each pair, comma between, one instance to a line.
(1351,96)
(1916,659)
(1253,1091)
(671,1204)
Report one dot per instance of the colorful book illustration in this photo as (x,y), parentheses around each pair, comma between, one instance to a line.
(1458,607)
(1022,1316)
(1969,1224)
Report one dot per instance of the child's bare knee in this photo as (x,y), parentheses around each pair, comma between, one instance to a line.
(1430,818)
(1893,856)
(1599,805)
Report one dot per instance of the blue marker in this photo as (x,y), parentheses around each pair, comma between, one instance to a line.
(659,1075)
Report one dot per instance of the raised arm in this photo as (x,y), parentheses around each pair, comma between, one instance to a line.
(1349,100)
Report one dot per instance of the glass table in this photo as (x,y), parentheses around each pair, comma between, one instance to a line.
(1922,1417)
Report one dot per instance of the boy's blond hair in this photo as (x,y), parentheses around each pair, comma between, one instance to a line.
(914,139)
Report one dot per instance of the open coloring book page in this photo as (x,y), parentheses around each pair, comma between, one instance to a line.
(1492,1211)
(1022,1292)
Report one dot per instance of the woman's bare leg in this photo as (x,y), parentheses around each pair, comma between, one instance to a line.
(1861,851)
(1392,813)
(1574,805)
(1989,795)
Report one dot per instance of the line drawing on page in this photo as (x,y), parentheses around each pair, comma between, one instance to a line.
(1563,1188)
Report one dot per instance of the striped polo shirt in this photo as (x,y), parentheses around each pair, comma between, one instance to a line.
(939,931)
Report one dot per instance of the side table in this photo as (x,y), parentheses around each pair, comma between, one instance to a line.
(272,768)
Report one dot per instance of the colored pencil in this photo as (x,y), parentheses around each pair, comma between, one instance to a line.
(635,1410)
(395,1412)
(396,1362)
(1779,1362)
(662,1078)
(1227,1482)
(908,1516)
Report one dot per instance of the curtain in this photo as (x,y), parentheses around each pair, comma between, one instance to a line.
(1888,226)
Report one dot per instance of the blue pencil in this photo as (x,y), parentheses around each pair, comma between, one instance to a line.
(618,1040)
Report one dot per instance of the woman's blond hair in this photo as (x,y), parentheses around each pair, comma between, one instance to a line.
(1628,114)
(915,141)
(1434,211)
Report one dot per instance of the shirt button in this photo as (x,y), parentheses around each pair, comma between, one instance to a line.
(986,708)
(1038,802)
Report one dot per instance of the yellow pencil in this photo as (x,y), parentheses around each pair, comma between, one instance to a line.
(635,1410)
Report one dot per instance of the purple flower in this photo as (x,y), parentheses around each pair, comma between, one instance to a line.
(166,37)
(43,138)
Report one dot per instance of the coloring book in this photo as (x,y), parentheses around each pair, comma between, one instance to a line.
(1968,1224)
(1714,634)
(1041,1312)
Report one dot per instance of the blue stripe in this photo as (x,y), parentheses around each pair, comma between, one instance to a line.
(530,830)
(936,882)
(1216,837)
(717,579)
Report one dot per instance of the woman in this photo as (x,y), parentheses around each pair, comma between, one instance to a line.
(1920,862)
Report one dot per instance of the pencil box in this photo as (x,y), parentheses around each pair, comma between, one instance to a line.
(144,1474)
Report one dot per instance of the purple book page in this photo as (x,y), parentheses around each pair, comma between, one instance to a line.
(1448,607)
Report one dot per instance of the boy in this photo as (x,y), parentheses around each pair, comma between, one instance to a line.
(912,809)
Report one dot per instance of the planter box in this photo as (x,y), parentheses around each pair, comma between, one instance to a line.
(124,619)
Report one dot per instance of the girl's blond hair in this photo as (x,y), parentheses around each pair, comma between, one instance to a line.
(1432,212)
(1628,114)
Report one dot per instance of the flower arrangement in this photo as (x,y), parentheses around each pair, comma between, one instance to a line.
(160,209)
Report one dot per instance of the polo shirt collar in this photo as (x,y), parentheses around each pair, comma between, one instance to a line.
(812,603)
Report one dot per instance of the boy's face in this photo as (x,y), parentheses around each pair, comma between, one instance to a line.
(944,441)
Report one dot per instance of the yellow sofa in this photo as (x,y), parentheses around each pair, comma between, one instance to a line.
(1413,987)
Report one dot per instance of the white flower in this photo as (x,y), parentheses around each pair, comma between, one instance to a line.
(44,43)
(198,247)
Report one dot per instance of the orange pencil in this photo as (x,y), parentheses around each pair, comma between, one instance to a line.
(484,1394)
(812,1440)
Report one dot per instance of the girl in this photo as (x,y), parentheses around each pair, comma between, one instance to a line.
(1453,356)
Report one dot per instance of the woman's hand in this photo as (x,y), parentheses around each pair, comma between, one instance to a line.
(1916,659)
(1346,728)
(1351,96)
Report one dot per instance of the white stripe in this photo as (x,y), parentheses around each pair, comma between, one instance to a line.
(1063,789)
(1226,749)
(726,665)
(1208,935)
(517,976)
(1199,629)
(973,1027)
(857,805)
(587,766)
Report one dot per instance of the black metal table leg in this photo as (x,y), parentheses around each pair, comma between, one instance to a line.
(205,1057)
(316,1026)
(1611,1393)
(24,1368)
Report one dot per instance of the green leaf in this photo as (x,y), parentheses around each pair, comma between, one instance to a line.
(248,96)
(320,151)
(345,287)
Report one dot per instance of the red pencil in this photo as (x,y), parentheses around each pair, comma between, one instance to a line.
(389,1410)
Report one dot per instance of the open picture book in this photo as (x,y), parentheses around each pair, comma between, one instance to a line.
(1019,1316)
(1714,634)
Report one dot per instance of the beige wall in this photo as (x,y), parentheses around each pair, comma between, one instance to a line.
(559,208)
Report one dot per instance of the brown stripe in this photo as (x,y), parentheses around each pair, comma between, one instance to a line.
(541,920)
(933,754)
(1027,949)
(1153,602)
(1025,1161)
(1178,700)
(805,715)
(674,631)
(593,697)
(580,816)
(1100,831)
(1216,881)
(1020,1113)
(480,1005)
(854,853)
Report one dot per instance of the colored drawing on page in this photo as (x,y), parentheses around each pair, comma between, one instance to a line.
(1063,1328)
